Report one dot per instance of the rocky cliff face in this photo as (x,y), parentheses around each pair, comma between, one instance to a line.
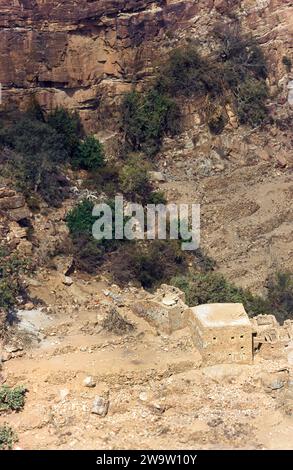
(85,54)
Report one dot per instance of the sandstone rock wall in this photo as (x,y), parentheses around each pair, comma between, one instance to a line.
(85,54)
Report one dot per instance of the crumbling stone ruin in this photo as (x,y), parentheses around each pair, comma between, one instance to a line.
(222,333)
(269,335)
(165,310)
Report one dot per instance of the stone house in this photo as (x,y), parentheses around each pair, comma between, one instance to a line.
(222,333)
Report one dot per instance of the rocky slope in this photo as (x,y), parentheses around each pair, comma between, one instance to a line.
(152,392)
(84,55)
(90,388)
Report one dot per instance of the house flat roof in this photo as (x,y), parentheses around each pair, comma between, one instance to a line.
(221,315)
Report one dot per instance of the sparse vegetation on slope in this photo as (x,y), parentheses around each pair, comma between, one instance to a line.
(12,398)
(235,74)
(205,288)
(11,285)
(211,287)
(7,437)
(280,295)
(149,264)
(146,118)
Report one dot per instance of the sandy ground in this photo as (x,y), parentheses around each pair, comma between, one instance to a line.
(159,397)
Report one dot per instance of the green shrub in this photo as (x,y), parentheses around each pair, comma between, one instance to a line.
(67,124)
(38,178)
(80,219)
(36,140)
(134,180)
(35,111)
(203,261)
(116,324)
(88,253)
(157,197)
(251,98)
(187,73)
(280,296)
(12,398)
(11,286)
(104,180)
(34,163)
(216,120)
(146,118)
(7,437)
(149,263)
(206,288)
(243,55)
(90,154)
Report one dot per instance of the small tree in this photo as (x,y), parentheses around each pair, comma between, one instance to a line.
(35,163)
(68,125)
(90,154)
(147,118)
(185,73)
(80,219)
(36,140)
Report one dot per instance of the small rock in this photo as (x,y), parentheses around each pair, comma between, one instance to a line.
(5,356)
(118,299)
(34,283)
(100,406)
(89,382)
(63,394)
(169,301)
(3,377)
(10,348)
(277,384)
(143,396)
(29,306)
(67,281)
(157,177)
(274,381)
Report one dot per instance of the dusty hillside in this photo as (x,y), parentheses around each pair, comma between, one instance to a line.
(246,218)
(152,392)
(94,379)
